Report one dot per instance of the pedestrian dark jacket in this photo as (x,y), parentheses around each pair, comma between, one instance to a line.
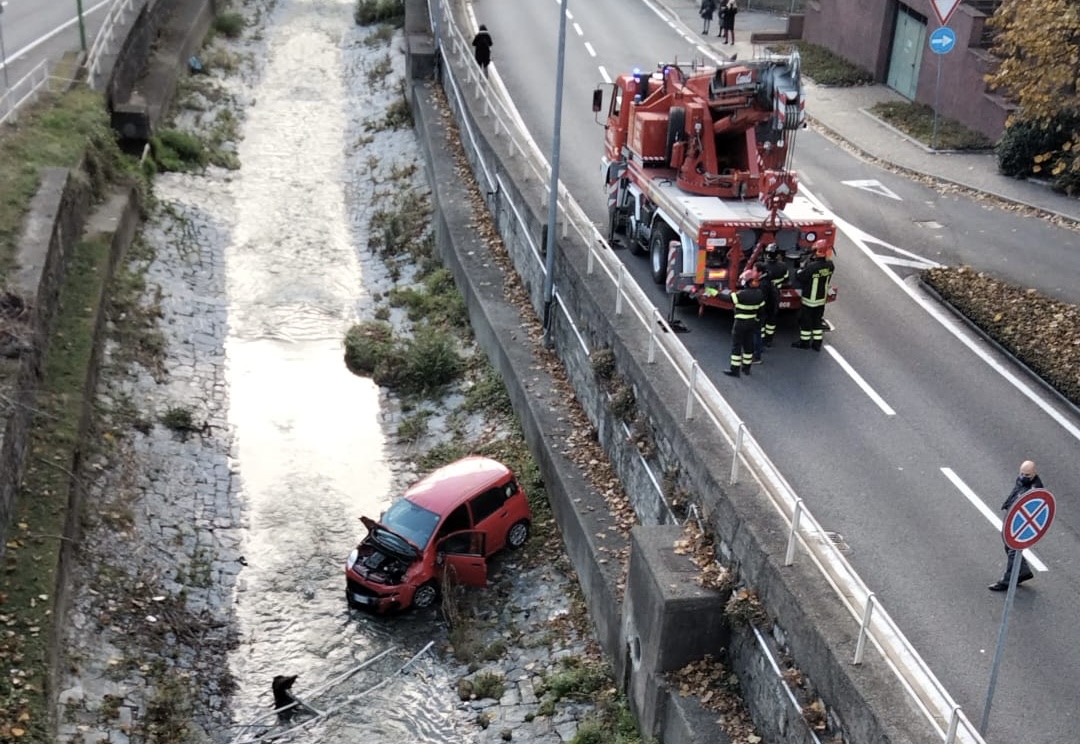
(1023,485)
(777,273)
(483,43)
(771,296)
(708,8)
(813,279)
(727,16)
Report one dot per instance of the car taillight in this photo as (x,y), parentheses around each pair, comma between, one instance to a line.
(352,558)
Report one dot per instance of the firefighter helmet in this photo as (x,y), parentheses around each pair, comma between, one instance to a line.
(821,248)
(772,251)
(749,278)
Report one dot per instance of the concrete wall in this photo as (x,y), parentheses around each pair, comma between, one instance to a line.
(865,702)
(861,31)
(51,228)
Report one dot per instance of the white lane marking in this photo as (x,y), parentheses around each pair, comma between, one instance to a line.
(604,74)
(860,381)
(569,16)
(874,187)
(589,49)
(577,29)
(912,263)
(37,42)
(994,519)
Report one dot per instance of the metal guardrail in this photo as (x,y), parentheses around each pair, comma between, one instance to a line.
(874,622)
(108,37)
(25,91)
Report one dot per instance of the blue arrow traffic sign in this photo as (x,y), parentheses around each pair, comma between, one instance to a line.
(1028,519)
(942,40)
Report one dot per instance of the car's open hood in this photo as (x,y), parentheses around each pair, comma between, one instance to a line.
(372,526)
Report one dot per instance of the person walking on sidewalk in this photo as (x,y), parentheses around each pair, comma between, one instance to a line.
(813,280)
(748,301)
(727,22)
(482,44)
(1026,481)
(708,8)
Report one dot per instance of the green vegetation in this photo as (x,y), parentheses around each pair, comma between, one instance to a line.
(1036,148)
(180,419)
(380,36)
(917,120)
(825,67)
(417,366)
(380,11)
(58,131)
(488,685)
(30,561)
(229,24)
(178,151)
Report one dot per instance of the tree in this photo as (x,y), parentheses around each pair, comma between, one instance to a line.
(1038,49)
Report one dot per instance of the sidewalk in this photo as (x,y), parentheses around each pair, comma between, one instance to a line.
(843,111)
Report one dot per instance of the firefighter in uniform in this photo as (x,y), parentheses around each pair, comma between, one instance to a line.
(748,301)
(813,280)
(774,272)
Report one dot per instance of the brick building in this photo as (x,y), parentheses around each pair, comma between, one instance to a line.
(890,38)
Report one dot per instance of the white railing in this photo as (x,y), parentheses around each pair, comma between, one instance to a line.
(874,623)
(109,36)
(24,91)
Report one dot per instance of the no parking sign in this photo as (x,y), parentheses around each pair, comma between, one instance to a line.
(1028,519)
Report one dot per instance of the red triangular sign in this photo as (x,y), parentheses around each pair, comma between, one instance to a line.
(944,9)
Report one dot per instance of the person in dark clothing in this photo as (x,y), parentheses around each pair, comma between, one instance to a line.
(1027,480)
(708,9)
(748,301)
(727,22)
(774,272)
(813,280)
(482,44)
(767,317)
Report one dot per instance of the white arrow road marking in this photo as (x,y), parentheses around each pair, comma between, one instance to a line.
(911,263)
(985,511)
(874,187)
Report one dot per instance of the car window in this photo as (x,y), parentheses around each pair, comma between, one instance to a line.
(457,521)
(412,522)
(485,504)
(463,543)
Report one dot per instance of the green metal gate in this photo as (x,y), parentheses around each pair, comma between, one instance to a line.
(909,41)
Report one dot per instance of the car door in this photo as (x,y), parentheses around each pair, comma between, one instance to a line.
(461,556)
(491,514)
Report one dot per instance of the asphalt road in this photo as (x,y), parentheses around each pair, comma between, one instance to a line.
(33,30)
(887,454)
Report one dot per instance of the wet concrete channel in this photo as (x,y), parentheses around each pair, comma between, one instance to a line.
(242,528)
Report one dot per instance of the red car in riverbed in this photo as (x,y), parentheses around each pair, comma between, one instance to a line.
(446,526)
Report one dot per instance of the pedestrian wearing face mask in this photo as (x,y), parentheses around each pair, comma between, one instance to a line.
(1026,481)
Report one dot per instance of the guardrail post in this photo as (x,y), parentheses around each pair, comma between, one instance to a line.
(735,456)
(651,357)
(690,391)
(591,261)
(619,290)
(954,723)
(789,555)
(864,628)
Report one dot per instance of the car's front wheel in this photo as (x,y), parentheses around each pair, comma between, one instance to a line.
(425,596)
(518,534)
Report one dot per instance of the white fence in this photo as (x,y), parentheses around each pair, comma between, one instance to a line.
(874,623)
(26,90)
(109,39)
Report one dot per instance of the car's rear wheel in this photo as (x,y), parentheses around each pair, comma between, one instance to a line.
(518,534)
(425,596)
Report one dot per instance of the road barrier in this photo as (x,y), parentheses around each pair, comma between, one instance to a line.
(25,91)
(109,38)
(874,623)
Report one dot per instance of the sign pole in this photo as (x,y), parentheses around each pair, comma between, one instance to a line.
(1002,632)
(937,91)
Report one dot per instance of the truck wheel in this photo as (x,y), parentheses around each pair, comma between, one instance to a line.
(658,251)
(676,130)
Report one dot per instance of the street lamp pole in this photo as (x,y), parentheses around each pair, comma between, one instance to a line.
(82,25)
(3,53)
(553,191)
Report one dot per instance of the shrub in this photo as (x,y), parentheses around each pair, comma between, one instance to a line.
(380,11)
(229,24)
(1024,141)
(488,685)
(917,120)
(431,362)
(177,151)
(826,68)
(366,345)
